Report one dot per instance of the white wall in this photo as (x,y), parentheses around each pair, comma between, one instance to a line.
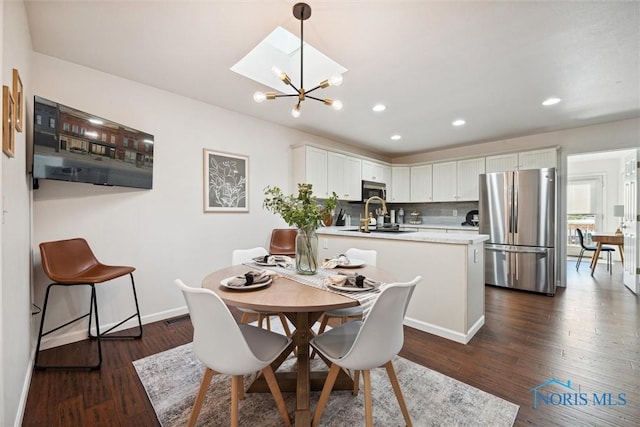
(15,301)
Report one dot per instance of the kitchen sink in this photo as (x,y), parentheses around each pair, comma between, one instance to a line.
(383,230)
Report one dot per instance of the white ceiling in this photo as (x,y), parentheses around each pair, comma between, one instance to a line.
(491,63)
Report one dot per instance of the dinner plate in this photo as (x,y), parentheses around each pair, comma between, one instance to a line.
(265,264)
(224,282)
(353,263)
(350,288)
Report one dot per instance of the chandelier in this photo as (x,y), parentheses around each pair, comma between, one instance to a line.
(302,12)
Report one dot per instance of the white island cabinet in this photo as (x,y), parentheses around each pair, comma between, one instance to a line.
(449,302)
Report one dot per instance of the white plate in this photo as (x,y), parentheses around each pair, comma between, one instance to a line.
(224,282)
(353,263)
(350,288)
(265,264)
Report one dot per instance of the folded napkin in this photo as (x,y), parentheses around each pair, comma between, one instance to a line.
(253,277)
(279,260)
(348,280)
(339,261)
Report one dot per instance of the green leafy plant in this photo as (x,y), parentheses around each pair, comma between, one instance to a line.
(303,210)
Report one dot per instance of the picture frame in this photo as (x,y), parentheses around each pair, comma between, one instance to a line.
(8,122)
(226,181)
(18,98)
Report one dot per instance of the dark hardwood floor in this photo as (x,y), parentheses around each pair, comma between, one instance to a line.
(589,334)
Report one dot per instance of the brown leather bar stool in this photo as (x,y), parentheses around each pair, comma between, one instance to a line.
(72,263)
(283,241)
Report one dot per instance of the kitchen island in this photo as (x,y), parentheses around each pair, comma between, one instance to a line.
(449,302)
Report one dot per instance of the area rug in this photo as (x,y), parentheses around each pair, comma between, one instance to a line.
(172,378)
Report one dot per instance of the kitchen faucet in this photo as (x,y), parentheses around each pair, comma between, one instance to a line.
(366,213)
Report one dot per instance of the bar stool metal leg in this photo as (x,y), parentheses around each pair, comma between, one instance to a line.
(92,306)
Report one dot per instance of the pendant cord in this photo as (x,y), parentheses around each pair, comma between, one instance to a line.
(301,48)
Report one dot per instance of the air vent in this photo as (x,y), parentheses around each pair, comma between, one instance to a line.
(177,319)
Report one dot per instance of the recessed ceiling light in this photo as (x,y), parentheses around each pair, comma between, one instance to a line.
(395,137)
(458,122)
(379,107)
(551,101)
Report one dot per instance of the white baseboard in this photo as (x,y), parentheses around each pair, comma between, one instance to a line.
(79,335)
(449,334)
(22,404)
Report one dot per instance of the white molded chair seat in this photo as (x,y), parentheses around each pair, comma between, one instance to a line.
(357,345)
(226,347)
(240,256)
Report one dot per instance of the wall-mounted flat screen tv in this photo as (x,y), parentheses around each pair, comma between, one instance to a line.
(71,145)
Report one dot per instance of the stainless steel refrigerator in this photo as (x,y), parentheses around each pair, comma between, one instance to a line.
(518,212)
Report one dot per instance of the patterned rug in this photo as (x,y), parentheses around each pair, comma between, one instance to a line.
(172,378)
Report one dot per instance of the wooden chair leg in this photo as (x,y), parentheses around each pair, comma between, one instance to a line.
(236,383)
(277,395)
(268,322)
(368,410)
(356,382)
(285,324)
(324,396)
(245,317)
(260,320)
(197,405)
(391,372)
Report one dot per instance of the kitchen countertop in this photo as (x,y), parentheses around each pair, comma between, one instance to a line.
(442,226)
(418,236)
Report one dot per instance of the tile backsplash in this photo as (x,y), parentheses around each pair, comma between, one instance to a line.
(444,213)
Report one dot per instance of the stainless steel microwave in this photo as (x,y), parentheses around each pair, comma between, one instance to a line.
(370,189)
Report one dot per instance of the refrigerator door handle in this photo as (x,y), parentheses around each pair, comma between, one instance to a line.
(516,183)
(516,249)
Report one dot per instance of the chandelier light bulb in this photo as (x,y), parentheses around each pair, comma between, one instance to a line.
(336,105)
(276,71)
(335,80)
(259,97)
(295,112)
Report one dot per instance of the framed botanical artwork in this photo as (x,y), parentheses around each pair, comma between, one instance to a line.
(226,182)
(18,97)
(8,122)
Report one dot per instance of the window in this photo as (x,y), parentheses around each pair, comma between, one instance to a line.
(125,141)
(38,119)
(52,122)
(135,144)
(584,208)
(65,127)
(113,139)
(104,137)
(74,129)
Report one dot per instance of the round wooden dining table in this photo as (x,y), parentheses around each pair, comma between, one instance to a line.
(302,305)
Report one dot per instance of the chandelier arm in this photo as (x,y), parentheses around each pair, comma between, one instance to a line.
(286,95)
(317,99)
(295,88)
(317,87)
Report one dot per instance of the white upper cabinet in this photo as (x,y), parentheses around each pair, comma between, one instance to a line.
(310,166)
(445,182)
(344,176)
(547,158)
(503,162)
(468,178)
(372,171)
(400,184)
(537,159)
(457,181)
(422,183)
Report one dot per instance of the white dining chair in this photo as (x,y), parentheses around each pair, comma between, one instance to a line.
(226,347)
(369,256)
(358,346)
(239,256)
